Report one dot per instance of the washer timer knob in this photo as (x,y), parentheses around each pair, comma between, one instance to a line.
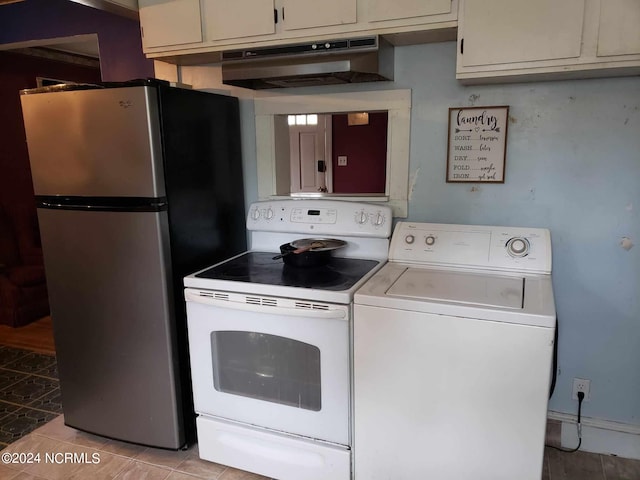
(409,239)
(255,214)
(430,240)
(518,247)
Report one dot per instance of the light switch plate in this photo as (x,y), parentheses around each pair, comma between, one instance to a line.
(342,160)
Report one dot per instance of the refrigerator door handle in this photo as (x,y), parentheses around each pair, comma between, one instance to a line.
(105,204)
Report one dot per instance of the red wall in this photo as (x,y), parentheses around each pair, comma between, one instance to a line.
(366,149)
(18,72)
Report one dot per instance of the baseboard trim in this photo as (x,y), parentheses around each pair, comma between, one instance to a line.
(599,436)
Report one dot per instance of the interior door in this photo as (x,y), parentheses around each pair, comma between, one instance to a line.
(310,145)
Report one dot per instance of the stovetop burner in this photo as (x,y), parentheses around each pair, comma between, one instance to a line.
(259,267)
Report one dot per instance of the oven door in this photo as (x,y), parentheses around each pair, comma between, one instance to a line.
(271,362)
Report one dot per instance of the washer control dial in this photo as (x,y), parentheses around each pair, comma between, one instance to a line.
(409,239)
(255,214)
(518,247)
(430,240)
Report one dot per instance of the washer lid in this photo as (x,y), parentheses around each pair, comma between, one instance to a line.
(460,287)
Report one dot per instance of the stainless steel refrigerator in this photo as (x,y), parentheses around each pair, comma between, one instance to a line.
(138,184)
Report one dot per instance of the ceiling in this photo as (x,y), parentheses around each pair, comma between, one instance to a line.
(79,45)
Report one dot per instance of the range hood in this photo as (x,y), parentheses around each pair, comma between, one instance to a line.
(332,62)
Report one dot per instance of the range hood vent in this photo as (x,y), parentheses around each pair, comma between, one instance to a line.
(365,59)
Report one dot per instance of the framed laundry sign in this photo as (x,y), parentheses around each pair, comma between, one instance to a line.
(477,148)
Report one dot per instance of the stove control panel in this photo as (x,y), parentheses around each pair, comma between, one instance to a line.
(473,246)
(326,217)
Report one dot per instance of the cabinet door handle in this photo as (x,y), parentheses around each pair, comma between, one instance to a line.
(461,46)
(283,14)
(275,15)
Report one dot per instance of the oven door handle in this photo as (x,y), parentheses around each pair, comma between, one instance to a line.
(338,313)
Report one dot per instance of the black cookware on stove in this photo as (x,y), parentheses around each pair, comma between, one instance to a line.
(309,252)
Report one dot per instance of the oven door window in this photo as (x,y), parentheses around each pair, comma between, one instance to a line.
(267,367)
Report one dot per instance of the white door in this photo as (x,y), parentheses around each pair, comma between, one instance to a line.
(280,368)
(298,14)
(618,32)
(510,31)
(169,22)
(381,10)
(223,20)
(310,153)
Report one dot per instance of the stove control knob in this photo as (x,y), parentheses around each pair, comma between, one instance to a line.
(409,239)
(255,214)
(378,220)
(430,240)
(269,213)
(518,247)
(362,217)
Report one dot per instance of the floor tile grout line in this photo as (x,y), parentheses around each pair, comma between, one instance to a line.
(33,400)
(604,473)
(134,459)
(29,408)
(29,373)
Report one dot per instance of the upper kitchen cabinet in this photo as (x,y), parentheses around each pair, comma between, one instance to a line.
(174,29)
(384,10)
(243,19)
(222,19)
(619,28)
(411,21)
(520,40)
(298,14)
(510,31)
(166,23)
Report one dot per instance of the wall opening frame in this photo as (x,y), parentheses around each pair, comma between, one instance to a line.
(273,173)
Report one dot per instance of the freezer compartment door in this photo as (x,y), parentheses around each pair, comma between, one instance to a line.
(108,275)
(98,142)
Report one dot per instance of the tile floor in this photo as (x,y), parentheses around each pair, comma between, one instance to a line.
(122,461)
(29,392)
(98,458)
(29,398)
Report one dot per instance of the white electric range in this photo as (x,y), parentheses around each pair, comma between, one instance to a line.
(270,344)
(453,345)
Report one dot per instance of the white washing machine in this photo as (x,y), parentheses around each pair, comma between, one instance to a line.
(453,346)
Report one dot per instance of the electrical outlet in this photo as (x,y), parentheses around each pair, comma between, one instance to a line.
(581,385)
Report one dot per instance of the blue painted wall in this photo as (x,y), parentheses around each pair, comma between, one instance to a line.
(119,39)
(573,166)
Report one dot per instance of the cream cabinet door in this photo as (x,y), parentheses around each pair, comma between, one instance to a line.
(169,22)
(224,19)
(512,31)
(619,27)
(381,10)
(298,14)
